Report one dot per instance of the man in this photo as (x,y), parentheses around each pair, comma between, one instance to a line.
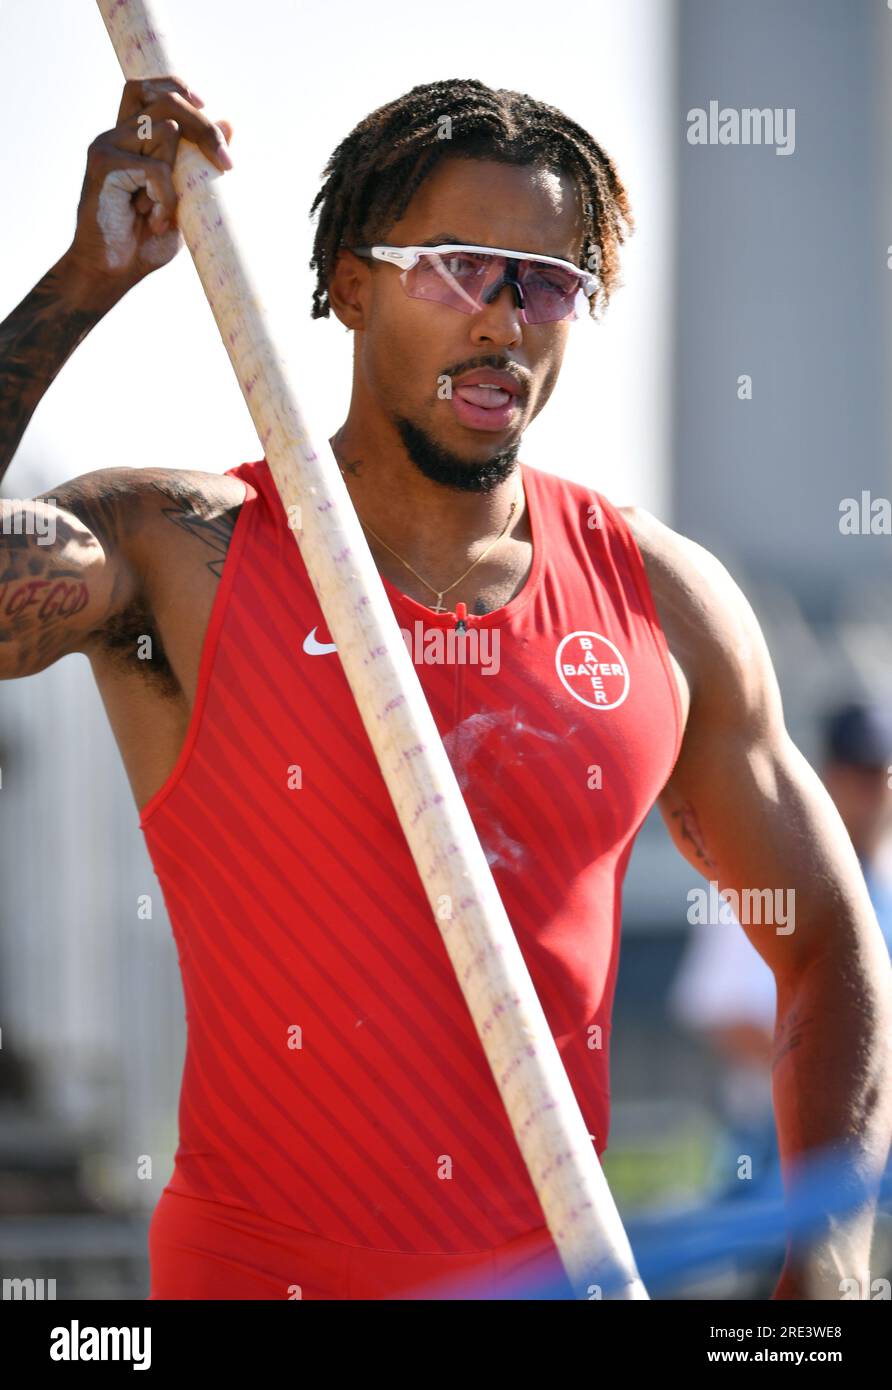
(340,1134)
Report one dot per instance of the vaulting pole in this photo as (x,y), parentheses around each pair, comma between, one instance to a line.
(479,939)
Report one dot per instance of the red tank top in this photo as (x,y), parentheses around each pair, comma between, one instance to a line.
(333,1079)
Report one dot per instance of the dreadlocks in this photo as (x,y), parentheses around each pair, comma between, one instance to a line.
(372,176)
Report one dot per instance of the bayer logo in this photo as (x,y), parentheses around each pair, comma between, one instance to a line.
(593,670)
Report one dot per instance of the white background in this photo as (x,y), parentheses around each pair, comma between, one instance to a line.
(153,385)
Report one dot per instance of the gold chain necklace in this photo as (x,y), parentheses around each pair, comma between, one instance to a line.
(440,592)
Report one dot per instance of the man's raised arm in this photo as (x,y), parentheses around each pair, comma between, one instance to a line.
(125,229)
(37,339)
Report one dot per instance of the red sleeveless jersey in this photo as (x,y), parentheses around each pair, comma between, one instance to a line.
(333,1079)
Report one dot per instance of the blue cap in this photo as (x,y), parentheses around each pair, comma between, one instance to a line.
(859,734)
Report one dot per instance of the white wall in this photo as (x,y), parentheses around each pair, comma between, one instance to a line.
(153,384)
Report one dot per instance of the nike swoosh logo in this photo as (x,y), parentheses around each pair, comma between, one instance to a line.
(314,648)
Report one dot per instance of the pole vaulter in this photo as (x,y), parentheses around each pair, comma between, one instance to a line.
(513,1030)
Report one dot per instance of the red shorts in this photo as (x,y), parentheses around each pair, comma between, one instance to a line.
(205,1250)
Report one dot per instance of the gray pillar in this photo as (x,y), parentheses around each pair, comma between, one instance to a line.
(782,276)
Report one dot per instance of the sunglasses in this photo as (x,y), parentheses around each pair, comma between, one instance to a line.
(466,278)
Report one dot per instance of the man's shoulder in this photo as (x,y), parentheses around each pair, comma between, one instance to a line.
(114,501)
(709,622)
(690,585)
(678,564)
(678,558)
(157,522)
(685,565)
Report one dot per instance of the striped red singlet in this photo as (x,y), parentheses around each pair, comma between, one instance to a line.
(333,1083)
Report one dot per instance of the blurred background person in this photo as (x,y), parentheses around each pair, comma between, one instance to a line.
(857,771)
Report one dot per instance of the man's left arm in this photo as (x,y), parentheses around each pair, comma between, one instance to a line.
(745,808)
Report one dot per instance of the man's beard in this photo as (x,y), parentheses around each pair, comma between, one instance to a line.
(450,469)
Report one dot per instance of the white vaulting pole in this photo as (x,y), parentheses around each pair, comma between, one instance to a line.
(491,971)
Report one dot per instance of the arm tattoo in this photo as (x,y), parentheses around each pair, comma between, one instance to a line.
(36,340)
(215,529)
(38,594)
(42,587)
(789,1034)
(689,829)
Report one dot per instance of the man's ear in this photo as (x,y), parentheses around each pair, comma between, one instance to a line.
(348,288)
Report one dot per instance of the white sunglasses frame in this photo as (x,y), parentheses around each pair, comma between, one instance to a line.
(407,256)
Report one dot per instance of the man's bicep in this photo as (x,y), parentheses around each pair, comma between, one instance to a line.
(747,810)
(735,714)
(63,571)
(768,832)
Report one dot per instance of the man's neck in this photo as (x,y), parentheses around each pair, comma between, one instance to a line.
(437,530)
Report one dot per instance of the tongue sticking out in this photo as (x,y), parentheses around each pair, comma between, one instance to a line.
(487,396)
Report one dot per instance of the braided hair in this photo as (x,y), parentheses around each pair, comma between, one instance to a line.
(374,173)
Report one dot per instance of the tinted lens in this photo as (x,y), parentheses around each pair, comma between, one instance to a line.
(460,279)
(456,279)
(549,291)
